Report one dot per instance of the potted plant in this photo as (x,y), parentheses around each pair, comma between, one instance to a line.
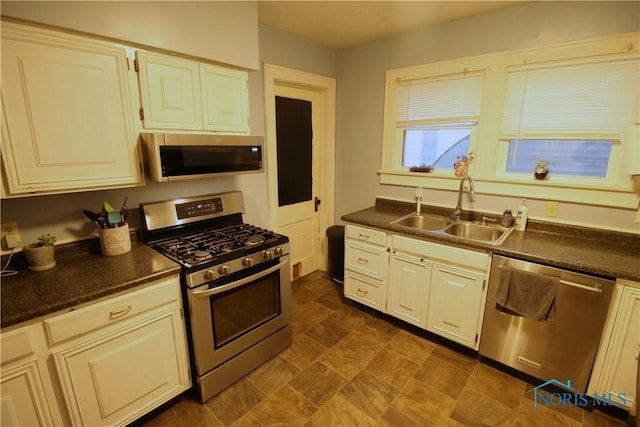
(541,168)
(40,255)
(461,166)
(421,168)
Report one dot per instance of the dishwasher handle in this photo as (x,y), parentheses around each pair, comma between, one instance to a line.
(596,288)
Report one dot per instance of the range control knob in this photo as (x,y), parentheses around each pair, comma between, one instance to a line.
(278,251)
(224,270)
(247,262)
(268,254)
(209,275)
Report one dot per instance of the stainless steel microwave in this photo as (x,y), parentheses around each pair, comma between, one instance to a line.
(171,156)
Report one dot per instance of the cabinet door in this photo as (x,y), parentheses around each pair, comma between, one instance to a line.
(408,288)
(115,378)
(68,121)
(621,361)
(23,402)
(455,303)
(225,99)
(366,290)
(169,91)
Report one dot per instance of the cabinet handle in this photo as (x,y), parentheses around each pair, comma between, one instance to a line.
(120,313)
(361,292)
(363,261)
(363,236)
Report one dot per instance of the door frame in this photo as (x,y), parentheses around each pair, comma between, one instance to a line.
(275,75)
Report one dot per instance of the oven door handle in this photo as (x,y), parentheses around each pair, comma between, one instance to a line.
(237,283)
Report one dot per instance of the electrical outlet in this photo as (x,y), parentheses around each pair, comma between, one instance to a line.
(552,209)
(11,229)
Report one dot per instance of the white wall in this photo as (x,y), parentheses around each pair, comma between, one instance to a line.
(360,74)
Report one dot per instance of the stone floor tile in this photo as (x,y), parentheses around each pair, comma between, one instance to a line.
(232,403)
(285,407)
(272,375)
(327,333)
(338,411)
(303,351)
(318,383)
(541,416)
(497,385)
(370,394)
(392,367)
(476,409)
(424,404)
(411,346)
(442,375)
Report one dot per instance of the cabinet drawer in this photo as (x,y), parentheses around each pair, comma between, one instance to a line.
(450,254)
(366,290)
(98,315)
(368,235)
(15,344)
(366,259)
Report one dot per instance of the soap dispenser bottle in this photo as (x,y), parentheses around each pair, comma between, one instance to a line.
(522,216)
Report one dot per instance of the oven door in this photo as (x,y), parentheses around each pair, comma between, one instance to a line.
(229,318)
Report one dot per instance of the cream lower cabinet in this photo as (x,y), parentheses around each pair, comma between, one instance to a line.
(366,266)
(455,303)
(118,359)
(177,93)
(68,121)
(437,287)
(615,371)
(409,288)
(25,400)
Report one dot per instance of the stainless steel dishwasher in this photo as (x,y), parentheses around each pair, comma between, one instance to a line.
(563,348)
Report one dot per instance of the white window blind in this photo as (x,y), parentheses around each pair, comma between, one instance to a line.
(572,99)
(439,100)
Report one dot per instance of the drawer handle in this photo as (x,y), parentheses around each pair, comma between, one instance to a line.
(361,292)
(363,236)
(363,261)
(120,313)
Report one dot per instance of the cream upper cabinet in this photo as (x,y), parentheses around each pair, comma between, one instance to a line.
(68,121)
(182,94)
(169,91)
(225,99)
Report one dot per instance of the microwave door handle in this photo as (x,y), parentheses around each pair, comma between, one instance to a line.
(237,283)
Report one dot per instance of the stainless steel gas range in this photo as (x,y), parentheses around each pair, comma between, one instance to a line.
(236,284)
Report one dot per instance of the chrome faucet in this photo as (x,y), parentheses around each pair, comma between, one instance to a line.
(472,196)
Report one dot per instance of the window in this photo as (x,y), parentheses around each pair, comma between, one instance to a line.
(571,114)
(435,118)
(575,105)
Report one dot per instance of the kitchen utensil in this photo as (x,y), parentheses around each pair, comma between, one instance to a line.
(113,217)
(93,216)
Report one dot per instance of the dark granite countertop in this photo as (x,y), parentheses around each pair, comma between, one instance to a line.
(81,274)
(604,253)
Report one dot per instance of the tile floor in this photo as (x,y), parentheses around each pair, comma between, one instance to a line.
(350,366)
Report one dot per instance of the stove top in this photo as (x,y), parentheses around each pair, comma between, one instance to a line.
(217,245)
(208,238)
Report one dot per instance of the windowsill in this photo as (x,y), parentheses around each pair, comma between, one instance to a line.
(533,189)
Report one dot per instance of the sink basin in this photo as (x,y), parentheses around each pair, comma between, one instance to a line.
(423,221)
(483,233)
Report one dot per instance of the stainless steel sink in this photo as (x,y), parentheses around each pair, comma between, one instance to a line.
(423,221)
(484,233)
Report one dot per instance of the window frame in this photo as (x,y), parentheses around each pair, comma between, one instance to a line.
(491,148)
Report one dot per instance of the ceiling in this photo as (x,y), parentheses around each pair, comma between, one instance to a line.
(343,24)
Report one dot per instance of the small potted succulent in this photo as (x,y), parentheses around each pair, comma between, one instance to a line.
(541,168)
(461,166)
(40,255)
